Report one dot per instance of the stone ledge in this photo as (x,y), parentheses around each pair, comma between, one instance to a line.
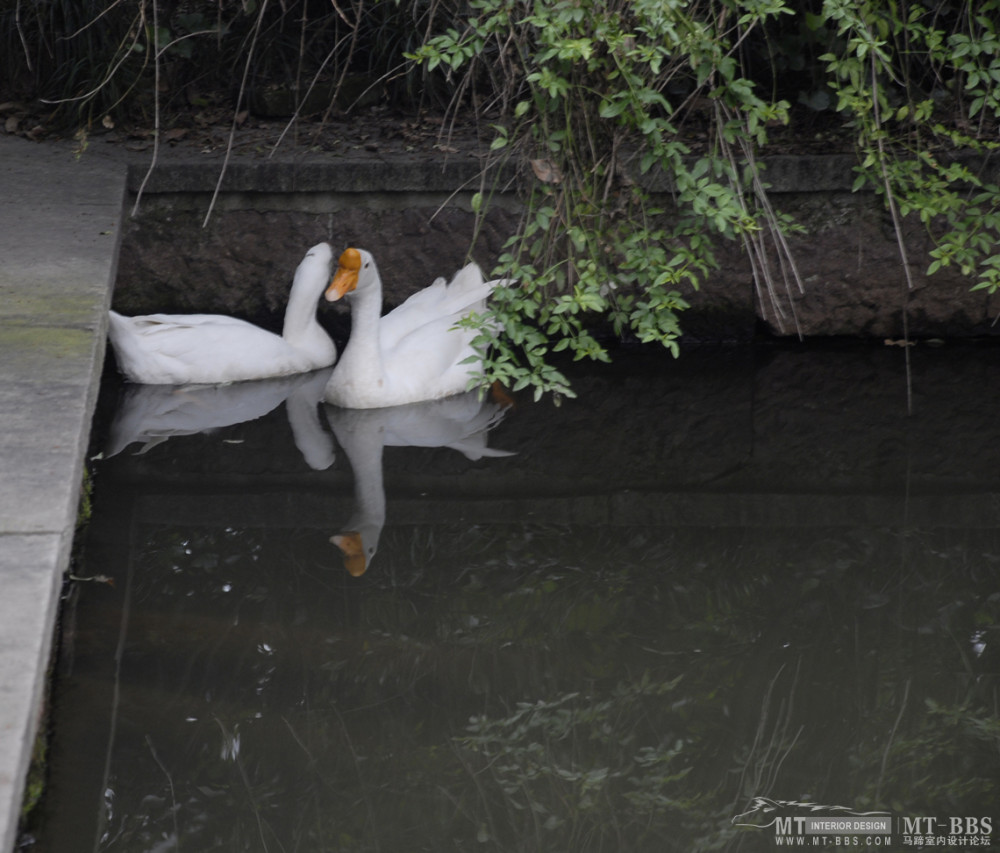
(438,173)
(363,175)
(784,174)
(60,229)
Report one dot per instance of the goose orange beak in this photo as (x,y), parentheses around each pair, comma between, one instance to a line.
(346,277)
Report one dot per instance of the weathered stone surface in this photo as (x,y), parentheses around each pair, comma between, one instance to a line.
(853,282)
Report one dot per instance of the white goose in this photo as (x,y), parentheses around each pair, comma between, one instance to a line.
(179,349)
(413,353)
(153,414)
(460,422)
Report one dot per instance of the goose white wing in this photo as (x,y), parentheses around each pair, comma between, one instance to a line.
(440,301)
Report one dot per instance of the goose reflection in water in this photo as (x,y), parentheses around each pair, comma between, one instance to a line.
(154,413)
(460,422)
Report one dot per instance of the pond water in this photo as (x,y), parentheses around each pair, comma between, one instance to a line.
(704,600)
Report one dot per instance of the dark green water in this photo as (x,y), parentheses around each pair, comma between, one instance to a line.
(744,574)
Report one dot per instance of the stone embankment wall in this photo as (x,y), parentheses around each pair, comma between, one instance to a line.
(417,220)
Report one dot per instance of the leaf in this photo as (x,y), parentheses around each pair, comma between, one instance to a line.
(611,109)
(546,171)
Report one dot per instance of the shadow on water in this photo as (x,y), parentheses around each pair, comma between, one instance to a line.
(734,576)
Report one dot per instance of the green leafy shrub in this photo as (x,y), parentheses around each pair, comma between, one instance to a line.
(916,88)
(592,98)
(602,98)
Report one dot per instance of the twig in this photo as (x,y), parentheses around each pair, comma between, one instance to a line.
(91,22)
(170,782)
(888,745)
(755,242)
(20,33)
(305,97)
(340,12)
(236,112)
(346,65)
(898,229)
(156,114)
(96,89)
(238,761)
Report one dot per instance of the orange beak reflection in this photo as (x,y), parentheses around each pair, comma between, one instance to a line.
(346,277)
(353,550)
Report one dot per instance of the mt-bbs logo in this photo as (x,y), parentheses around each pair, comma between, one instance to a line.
(814,824)
(948,826)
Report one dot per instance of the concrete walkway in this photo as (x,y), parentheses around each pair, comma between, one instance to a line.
(59,235)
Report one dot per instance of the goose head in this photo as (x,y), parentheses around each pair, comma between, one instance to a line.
(317,265)
(321,253)
(355,269)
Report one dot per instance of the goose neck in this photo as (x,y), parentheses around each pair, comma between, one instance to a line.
(366,309)
(300,313)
